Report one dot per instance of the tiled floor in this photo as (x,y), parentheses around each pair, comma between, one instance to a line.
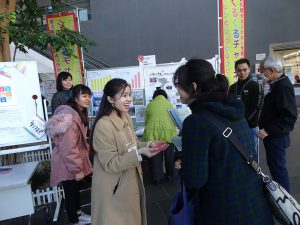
(159,197)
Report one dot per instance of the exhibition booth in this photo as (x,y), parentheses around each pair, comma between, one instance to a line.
(23,115)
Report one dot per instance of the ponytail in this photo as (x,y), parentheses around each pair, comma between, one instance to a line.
(222,82)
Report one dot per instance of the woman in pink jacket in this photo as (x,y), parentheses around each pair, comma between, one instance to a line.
(70,162)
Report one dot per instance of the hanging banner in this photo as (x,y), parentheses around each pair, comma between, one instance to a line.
(232,35)
(62,62)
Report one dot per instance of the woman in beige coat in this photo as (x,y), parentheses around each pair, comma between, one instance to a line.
(118,195)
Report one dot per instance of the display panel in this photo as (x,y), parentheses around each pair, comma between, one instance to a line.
(20,103)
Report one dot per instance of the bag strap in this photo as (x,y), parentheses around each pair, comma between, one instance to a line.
(183,191)
(228,134)
(259,104)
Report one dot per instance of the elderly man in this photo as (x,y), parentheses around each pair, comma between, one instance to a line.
(278,116)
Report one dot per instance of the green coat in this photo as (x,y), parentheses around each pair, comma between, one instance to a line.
(158,123)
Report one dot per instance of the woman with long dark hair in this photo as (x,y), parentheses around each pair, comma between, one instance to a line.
(118,195)
(70,162)
(224,188)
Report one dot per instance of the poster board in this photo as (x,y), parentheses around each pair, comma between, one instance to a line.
(48,89)
(96,80)
(142,79)
(19,82)
(161,76)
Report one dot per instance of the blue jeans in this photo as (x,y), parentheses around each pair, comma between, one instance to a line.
(275,152)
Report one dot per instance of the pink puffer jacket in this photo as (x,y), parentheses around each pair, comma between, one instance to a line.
(71,153)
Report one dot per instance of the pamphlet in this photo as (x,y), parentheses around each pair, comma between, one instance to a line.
(177,142)
(36,127)
(178,115)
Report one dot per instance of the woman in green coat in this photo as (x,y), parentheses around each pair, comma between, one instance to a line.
(159,126)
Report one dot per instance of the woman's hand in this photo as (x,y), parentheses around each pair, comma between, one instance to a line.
(79,176)
(178,164)
(159,145)
(262,134)
(149,152)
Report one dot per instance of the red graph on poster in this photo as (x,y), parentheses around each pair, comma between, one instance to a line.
(136,81)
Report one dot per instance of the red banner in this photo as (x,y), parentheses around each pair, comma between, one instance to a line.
(233,13)
(62,62)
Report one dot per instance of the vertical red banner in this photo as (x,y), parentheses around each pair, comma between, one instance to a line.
(232,29)
(62,62)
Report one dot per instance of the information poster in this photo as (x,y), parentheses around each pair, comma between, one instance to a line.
(161,76)
(20,102)
(138,102)
(143,80)
(98,78)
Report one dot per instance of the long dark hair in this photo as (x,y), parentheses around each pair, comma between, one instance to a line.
(60,77)
(112,87)
(203,74)
(76,92)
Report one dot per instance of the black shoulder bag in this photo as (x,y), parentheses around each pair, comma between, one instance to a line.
(283,206)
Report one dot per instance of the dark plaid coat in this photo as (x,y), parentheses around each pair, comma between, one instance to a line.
(225,189)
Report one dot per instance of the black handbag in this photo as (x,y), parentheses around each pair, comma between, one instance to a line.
(182,211)
(283,206)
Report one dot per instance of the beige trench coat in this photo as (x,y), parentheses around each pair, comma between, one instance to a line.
(118,195)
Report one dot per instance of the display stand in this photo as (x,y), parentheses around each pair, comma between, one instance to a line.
(15,184)
(15,191)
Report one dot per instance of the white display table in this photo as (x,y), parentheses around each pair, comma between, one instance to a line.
(15,192)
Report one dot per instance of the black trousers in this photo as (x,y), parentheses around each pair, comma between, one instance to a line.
(156,164)
(72,199)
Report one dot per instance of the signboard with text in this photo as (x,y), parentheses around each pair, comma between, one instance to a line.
(62,62)
(232,35)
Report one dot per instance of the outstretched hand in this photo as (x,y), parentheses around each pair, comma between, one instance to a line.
(159,145)
(178,164)
(149,152)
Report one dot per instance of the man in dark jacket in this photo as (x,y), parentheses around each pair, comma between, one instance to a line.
(250,92)
(278,116)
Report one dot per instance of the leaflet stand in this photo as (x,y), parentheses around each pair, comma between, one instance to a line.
(30,167)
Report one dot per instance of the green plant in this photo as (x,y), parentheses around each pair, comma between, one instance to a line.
(22,25)
(40,178)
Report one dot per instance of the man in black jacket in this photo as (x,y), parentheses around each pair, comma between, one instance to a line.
(278,116)
(250,92)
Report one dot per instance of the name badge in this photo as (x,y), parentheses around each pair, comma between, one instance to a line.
(133,148)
